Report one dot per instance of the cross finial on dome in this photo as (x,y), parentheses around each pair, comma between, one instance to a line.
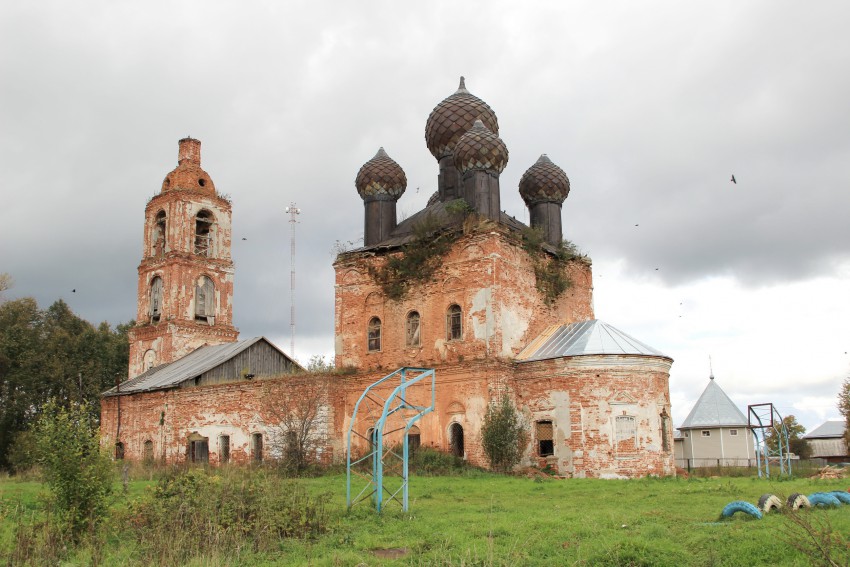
(462,87)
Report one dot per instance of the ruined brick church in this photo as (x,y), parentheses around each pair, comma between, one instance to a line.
(496,308)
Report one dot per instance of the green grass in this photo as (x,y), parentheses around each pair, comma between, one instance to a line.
(484,519)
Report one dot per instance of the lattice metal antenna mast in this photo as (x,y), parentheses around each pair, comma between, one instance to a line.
(293,211)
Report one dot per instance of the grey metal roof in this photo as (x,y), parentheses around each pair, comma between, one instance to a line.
(584,338)
(170,375)
(830,429)
(714,409)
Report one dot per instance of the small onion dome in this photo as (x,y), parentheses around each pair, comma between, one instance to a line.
(480,149)
(379,176)
(188,175)
(453,117)
(544,182)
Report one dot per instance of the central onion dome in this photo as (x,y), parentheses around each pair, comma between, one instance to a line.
(480,149)
(381,177)
(188,175)
(544,182)
(453,117)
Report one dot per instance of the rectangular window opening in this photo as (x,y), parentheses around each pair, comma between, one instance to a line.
(706,433)
(257,447)
(545,438)
(224,451)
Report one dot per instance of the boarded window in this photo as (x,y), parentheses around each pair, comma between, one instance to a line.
(224,449)
(706,433)
(454,330)
(203,233)
(414,439)
(625,434)
(205,300)
(257,447)
(545,438)
(119,450)
(156,299)
(158,236)
(374,332)
(199,449)
(148,452)
(412,335)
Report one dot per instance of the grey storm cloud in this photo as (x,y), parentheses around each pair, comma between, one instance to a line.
(649,108)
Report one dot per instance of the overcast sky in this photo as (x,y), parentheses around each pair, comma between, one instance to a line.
(650,108)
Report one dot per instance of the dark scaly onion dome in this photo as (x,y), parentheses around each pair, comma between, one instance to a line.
(453,117)
(544,182)
(188,175)
(480,149)
(381,176)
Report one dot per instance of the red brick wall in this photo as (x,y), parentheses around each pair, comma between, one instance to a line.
(487,274)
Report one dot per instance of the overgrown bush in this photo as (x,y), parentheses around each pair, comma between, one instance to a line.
(416,262)
(195,513)
(427,461)
(78,473)
(549,269)
(503,435)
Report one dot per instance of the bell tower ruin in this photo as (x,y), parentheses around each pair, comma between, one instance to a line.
(185,291)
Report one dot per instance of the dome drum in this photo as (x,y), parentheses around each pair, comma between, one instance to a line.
(544,187)
(380,183)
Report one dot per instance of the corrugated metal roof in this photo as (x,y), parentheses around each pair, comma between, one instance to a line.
(832,428)
(714,409)
(194,364)
(584,338)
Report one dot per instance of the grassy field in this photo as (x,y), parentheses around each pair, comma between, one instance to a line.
(484,519)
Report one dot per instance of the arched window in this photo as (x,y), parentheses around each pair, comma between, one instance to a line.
(456,439)
(204,233)
(412,334)
(156,299)
(158,236)
(374,332)
(205,300)
(454,330)
(149,360)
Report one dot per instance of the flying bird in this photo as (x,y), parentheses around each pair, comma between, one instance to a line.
(733,179)
(636,225)
(244,238)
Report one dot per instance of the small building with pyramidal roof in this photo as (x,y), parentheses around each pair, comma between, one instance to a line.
(715,433)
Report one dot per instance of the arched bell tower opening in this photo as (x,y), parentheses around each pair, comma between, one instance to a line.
(185,290)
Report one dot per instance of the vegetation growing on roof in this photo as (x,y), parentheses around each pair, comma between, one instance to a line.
(416,262)
(550,268)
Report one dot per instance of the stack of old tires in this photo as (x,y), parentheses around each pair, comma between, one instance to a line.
(772,503)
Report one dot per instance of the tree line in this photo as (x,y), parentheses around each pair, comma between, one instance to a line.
(51,355)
